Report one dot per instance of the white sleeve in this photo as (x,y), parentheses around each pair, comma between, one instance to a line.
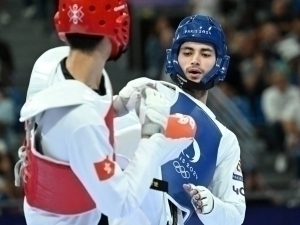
(227,187)
(290,112)
(268,105)
(115,193)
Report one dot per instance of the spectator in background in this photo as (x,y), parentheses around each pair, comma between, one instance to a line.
(8,191)
(156,44)
(7,86)
(291,126)
(281,15)
(47,11)
(6,63)
(7,121)
(5,17)
(30,9)
(10,98)
(238,53)
(233,85)
(258,191)
(4,191)
(229,9)
(267,36)
(289,50)
(254,72)
(274,99)
(295,28)
(296,6)
(43,10)
(205,8)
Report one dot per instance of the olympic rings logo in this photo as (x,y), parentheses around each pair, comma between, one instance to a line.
(180,169)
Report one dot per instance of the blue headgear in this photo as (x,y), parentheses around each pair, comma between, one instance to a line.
(202,29)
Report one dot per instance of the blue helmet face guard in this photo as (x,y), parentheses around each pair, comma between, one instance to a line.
(200,29)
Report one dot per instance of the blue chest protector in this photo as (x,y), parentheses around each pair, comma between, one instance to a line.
(197,163)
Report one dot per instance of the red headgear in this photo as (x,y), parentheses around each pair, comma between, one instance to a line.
(108,18)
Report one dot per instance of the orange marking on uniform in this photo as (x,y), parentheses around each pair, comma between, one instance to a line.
(180,126)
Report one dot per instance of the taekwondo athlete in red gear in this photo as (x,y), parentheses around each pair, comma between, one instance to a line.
(67,164)
(205,181)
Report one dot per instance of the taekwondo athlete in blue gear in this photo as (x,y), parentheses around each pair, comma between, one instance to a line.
(198,164)
(205,182)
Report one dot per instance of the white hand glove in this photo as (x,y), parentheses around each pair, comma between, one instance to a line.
(126,100)
(153,111)
(202,198)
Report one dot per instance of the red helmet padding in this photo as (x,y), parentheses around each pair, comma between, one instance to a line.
(108,18)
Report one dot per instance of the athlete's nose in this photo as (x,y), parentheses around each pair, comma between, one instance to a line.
(196,60)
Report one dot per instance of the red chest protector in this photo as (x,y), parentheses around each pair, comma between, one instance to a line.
(54,187)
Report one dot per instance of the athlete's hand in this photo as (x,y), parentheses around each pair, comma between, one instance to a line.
(153,111)
(128,96)
(202,198)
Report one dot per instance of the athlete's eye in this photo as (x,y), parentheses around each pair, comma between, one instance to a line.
(206,55)
(187,53)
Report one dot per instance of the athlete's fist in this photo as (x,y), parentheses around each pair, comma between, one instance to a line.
(153,111)
(130,94)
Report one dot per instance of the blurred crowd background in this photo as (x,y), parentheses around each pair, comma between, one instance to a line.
(259,100)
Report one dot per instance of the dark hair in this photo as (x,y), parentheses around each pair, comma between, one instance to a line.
(83,42)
